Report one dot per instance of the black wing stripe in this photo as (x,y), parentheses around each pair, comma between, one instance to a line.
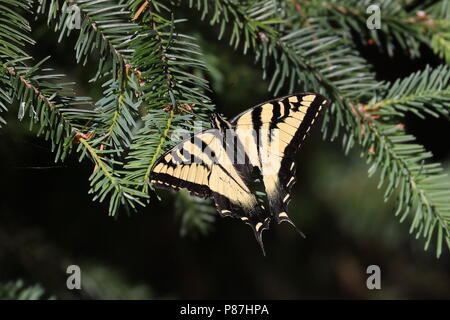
(276,114)
(257,123)
(305,125)
(169,182)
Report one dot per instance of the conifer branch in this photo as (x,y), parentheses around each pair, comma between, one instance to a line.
(424,92)
(422,186)
(104,26)
(14,29)
(55,108)
(400,28)
(440,39)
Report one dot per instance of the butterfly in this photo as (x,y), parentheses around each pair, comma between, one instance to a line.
(221,162)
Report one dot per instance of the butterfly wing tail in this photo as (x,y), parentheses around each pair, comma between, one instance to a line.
(283,217)
(278,204)
(259,225)
(259,220)
(256,217)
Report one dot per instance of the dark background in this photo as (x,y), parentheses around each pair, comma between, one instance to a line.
(48,221)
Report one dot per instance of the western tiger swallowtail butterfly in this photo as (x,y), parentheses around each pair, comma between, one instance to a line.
(219,163)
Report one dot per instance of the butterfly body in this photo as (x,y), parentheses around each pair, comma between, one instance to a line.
(218,163)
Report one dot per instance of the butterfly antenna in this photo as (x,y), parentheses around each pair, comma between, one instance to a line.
(285,218)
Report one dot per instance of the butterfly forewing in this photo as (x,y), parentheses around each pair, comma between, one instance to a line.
(279,126)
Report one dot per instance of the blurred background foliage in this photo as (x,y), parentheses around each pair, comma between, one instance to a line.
(48,221)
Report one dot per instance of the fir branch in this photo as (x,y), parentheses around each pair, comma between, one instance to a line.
(51,110)
(424,92)
(108,182)
(399,28)
(248,23)
(433,17)
(440,39)
(118,110)
(49,105)
(437,9)
(149,145)
(422,186)
(401,162)
(48,108)
(160,146)
(56,110)
(14,30)
(105,26)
